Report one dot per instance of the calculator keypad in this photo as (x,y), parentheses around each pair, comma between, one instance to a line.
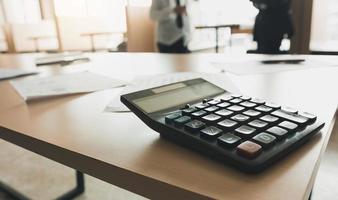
(243,125)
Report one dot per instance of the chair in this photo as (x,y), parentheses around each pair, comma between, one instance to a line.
(87,33)
(32,37)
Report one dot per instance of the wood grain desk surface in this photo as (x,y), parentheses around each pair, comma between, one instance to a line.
(118,148)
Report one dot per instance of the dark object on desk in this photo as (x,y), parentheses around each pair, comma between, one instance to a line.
(62,59)
(273,23)
(6,74)
(245,132)
(283,61)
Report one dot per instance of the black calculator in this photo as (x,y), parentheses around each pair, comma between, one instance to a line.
(238,130)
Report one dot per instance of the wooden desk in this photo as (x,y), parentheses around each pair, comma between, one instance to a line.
(216,27)
(119,149)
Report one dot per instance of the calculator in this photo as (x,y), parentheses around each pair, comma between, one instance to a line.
(247,133)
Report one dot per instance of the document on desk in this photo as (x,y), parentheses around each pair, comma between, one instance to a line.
(7,73)
(60,58)
(269,64)
(63,84)
(146,82)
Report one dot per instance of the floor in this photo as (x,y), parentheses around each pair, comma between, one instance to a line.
(33,175)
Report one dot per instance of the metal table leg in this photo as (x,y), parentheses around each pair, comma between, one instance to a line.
(217,38)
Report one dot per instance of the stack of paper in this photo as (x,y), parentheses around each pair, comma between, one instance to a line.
(146,82)
(83,82)
(62,58)
(7,73)
(255,65)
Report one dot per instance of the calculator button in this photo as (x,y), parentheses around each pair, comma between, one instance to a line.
(226,98)
(182,120)
(211,118)
(311,117)
(187,106)
(257,101)
(264,139)
(211,109)
(248,104)
(202,105)
(236,95)
(229,140)
(199,113)
(237,100)
(245,98)
(273,105)
(214,102)
(289,110)
(258,124)
(277,131)
(245,131)
(249,149)
(223,105)
(291,117)
(210,132)
(194,125)
(288,125)
(226,124)
(240,118)
(252,113)
(188,111)
(224,112)
(171,117)
(269,118)
(235,108)
(263,108)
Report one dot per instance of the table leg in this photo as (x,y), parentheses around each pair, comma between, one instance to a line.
(78,190)
(216,29)
(36,45)
(92,41)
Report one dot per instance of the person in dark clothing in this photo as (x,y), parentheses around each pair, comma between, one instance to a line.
(272,24)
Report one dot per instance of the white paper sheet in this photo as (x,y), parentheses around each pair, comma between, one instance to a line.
(60,58)
(146,82)
(251,65)
(83,82)
(7,73)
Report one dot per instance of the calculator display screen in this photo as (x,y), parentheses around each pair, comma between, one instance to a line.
(176,95)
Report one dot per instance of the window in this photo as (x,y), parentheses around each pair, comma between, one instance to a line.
(226,11)
(220,12)
(21,11)
(324,31)
(111,10)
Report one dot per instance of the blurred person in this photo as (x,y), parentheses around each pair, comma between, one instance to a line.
(173,31)
(273,23)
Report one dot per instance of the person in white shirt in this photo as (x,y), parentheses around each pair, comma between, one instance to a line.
(173,31)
